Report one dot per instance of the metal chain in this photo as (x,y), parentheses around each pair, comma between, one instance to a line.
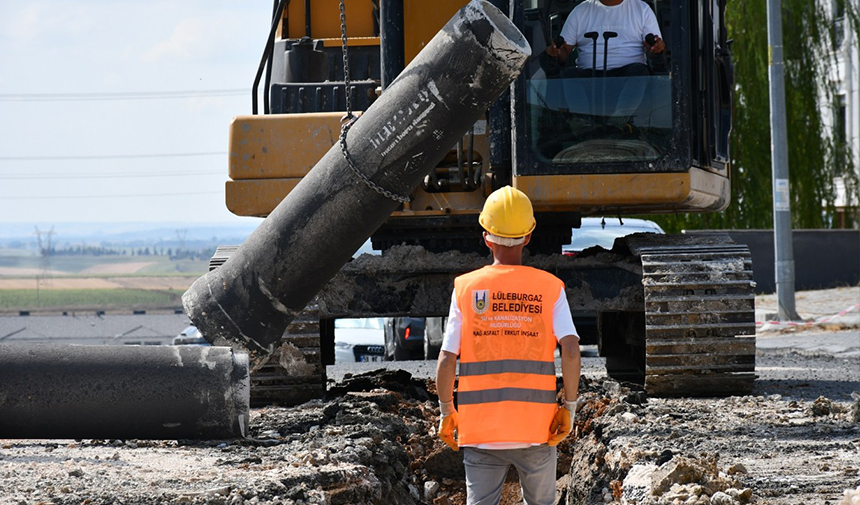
(347,90)
(350,118)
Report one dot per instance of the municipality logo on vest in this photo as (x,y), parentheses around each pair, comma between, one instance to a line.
(479,300)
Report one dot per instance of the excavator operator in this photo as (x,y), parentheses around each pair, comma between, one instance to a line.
(629,31)
(505,322)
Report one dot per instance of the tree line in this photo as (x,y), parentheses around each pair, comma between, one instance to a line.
(819,154)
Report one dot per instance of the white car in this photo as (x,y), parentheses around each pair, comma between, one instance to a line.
(359,340)
(190,336)
(599,231)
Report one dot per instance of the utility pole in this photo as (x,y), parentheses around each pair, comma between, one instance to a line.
(782,241)
(180,234)
(45,247)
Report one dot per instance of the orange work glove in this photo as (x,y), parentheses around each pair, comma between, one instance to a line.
(560,426)
(448,423)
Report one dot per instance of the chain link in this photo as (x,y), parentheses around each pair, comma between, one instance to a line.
(350,118)
(348,91)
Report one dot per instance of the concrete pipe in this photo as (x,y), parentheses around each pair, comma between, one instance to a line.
(124,392)
(314,231)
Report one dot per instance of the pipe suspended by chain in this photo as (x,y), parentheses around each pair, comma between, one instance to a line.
(115,391)
(249,301)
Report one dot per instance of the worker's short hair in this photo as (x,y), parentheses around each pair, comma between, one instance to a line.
(505,241)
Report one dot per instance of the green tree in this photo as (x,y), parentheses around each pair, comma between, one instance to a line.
(817,153)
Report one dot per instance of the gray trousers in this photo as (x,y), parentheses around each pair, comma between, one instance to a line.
(486,471)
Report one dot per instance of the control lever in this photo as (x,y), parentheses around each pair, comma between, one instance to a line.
(606,36)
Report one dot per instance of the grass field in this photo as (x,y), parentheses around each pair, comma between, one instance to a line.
(29,266)
(110,283)
(30,299)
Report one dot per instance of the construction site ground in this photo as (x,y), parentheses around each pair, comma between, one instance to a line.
(372,440)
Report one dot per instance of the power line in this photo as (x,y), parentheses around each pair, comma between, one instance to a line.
(105,176)
(141,95)
(79,197)
(109,156)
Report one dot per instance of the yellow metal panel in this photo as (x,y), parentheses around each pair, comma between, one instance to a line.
(352,42)
(280,145)
(422,19)
(325,19)
(257,198)
(692,190)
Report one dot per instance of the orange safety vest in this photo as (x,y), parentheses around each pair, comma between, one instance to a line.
(507,389)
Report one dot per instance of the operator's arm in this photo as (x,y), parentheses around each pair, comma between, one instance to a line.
(568,35)
(562,53)
(652,27)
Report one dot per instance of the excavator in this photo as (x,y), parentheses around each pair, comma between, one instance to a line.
(673,312)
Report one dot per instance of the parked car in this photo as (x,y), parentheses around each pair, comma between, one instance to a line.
(190,336)
(404,338)
(599,231)
(359,340)
(602,232)
(434,332)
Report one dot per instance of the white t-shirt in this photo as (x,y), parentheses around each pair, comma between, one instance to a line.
(632,20)
(562,326)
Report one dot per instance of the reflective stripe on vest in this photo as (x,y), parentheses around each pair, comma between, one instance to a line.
(507,387)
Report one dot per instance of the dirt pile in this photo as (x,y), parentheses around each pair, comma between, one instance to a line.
(632,450)
(601,471)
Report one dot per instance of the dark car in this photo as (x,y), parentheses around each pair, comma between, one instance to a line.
(434,333)
(404,338)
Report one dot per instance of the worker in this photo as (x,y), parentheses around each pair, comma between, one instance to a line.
(505,322)
(632,21)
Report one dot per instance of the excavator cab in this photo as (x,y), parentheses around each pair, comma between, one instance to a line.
(620,145)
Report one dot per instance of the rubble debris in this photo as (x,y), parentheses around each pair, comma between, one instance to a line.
(855,408)
(822,407)
(851,497)
(736,469)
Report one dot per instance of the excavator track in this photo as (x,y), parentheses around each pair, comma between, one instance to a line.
(699,304)
(295,374)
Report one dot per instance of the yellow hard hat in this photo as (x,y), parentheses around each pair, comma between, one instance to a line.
(508,213)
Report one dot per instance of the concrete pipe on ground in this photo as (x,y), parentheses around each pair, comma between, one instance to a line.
(249,301)
(123,392)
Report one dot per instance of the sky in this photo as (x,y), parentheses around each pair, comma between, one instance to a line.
(91,129)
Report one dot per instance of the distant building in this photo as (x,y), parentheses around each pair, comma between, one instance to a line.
(92,329)
(846,116)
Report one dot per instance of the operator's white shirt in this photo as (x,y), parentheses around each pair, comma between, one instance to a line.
(632,20)
(562,326)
